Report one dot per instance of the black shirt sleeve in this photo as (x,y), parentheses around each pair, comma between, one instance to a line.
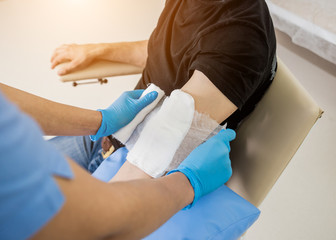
(234,58)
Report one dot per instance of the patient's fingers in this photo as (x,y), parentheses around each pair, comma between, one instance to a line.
(59,59)
(72,66)
(78,55)
(61,54)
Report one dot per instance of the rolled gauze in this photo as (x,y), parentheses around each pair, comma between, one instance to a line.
(124,133)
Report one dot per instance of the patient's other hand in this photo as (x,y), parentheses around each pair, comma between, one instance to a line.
(79,56)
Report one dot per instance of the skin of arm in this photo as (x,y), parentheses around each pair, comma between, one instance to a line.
(208,100)
(55,118)
(122,210)
(80,56)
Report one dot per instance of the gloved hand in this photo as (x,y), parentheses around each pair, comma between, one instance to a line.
(122,111)
(208,166)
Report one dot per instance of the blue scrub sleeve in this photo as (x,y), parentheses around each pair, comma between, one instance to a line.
(29,195)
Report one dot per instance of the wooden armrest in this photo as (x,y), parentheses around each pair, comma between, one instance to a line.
(100,69)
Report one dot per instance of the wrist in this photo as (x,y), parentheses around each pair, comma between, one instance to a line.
(98,51)
(99,121)
(194,183)
(183,187)
(82,121)
(108,51)
(102,128)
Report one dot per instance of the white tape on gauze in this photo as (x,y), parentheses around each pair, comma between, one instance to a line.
(163,134)
(124,133)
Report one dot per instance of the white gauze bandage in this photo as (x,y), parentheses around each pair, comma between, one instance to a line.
(202,128)
(124,133)
(163,134)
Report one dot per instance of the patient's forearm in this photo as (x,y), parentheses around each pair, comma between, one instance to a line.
(55,118)
(127,52)
(129,172)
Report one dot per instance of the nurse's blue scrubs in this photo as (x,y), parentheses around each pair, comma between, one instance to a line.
(29,195)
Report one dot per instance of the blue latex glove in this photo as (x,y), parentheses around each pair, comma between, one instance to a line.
(122,112)
(208,166)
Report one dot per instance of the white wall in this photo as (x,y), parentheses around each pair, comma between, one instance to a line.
(31,30)
(302,203)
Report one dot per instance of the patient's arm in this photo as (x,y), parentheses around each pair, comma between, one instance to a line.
(208,99)
(128,172)
(80,56)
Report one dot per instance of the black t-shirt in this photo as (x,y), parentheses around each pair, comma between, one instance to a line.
(232,42)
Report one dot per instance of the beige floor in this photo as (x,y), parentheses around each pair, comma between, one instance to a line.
(302,203)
